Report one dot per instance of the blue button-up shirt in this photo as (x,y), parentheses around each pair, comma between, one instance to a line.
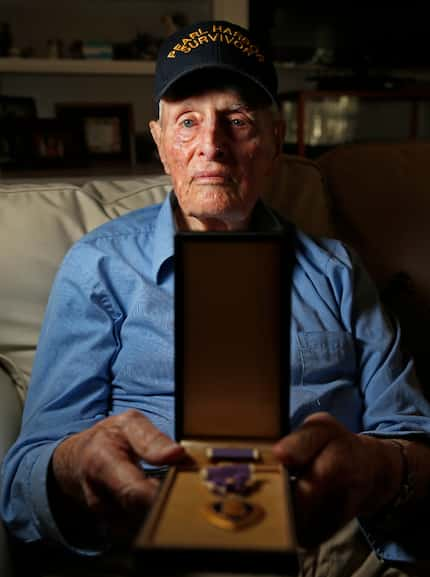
(106,345)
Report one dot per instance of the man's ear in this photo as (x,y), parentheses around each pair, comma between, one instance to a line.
(155,128)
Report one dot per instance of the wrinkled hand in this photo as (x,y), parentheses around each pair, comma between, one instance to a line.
(98,470)
(339,475)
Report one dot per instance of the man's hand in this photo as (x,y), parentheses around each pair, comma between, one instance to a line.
(97,471)
(339,475)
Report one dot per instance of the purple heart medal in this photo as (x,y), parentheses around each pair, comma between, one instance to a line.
(231,482)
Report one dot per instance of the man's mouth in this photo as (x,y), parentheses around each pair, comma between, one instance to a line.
(212,177)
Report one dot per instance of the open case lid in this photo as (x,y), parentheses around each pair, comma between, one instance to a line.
(232,330)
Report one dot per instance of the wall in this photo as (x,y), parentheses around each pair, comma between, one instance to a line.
(101,20)
(97,20)
(33,22)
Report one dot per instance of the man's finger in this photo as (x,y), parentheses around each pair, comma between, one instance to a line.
(299,449)
(147,441)
(119,482)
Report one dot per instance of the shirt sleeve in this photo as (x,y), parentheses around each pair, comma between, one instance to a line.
(69,389)
(393,401)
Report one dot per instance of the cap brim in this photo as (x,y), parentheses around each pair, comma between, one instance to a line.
(203,67)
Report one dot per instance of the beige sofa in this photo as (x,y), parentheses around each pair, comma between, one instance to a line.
(380,204)
(373,196)
(39,222)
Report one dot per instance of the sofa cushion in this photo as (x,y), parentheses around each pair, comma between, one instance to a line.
(381,201)
(298,194)
(120,196)
(38,224)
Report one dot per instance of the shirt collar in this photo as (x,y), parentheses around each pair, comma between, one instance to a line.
(263,219)
(165,228)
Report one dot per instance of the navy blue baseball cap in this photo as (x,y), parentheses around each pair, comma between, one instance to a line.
(217,45)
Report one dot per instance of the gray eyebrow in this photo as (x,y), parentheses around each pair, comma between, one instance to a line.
(241,106)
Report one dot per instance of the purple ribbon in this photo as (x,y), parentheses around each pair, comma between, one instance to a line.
(233,453)
(233,478)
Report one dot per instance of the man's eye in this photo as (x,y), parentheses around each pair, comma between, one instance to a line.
(237,122)
(187,123)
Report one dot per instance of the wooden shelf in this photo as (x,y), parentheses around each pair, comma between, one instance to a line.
(413,95)
(76,67)
(66,66)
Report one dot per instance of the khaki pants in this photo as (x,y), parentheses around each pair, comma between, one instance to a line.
(347,554)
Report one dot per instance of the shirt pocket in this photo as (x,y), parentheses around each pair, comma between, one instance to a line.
(326,358)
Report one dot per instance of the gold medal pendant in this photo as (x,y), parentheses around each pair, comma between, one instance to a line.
(233,513)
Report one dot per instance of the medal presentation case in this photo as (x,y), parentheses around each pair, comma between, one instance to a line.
(227,508)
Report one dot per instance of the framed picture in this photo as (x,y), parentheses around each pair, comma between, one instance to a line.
(56,143)
(14,111)
(108,128)
(41,143)
(17,107)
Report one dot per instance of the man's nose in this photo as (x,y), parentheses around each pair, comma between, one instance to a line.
(213,143)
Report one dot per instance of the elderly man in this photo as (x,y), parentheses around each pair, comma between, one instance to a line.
(100,403)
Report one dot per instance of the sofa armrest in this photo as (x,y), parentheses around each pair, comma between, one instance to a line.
(10,412)
(10,421)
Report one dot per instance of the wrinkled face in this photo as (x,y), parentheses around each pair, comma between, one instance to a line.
(220,154)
